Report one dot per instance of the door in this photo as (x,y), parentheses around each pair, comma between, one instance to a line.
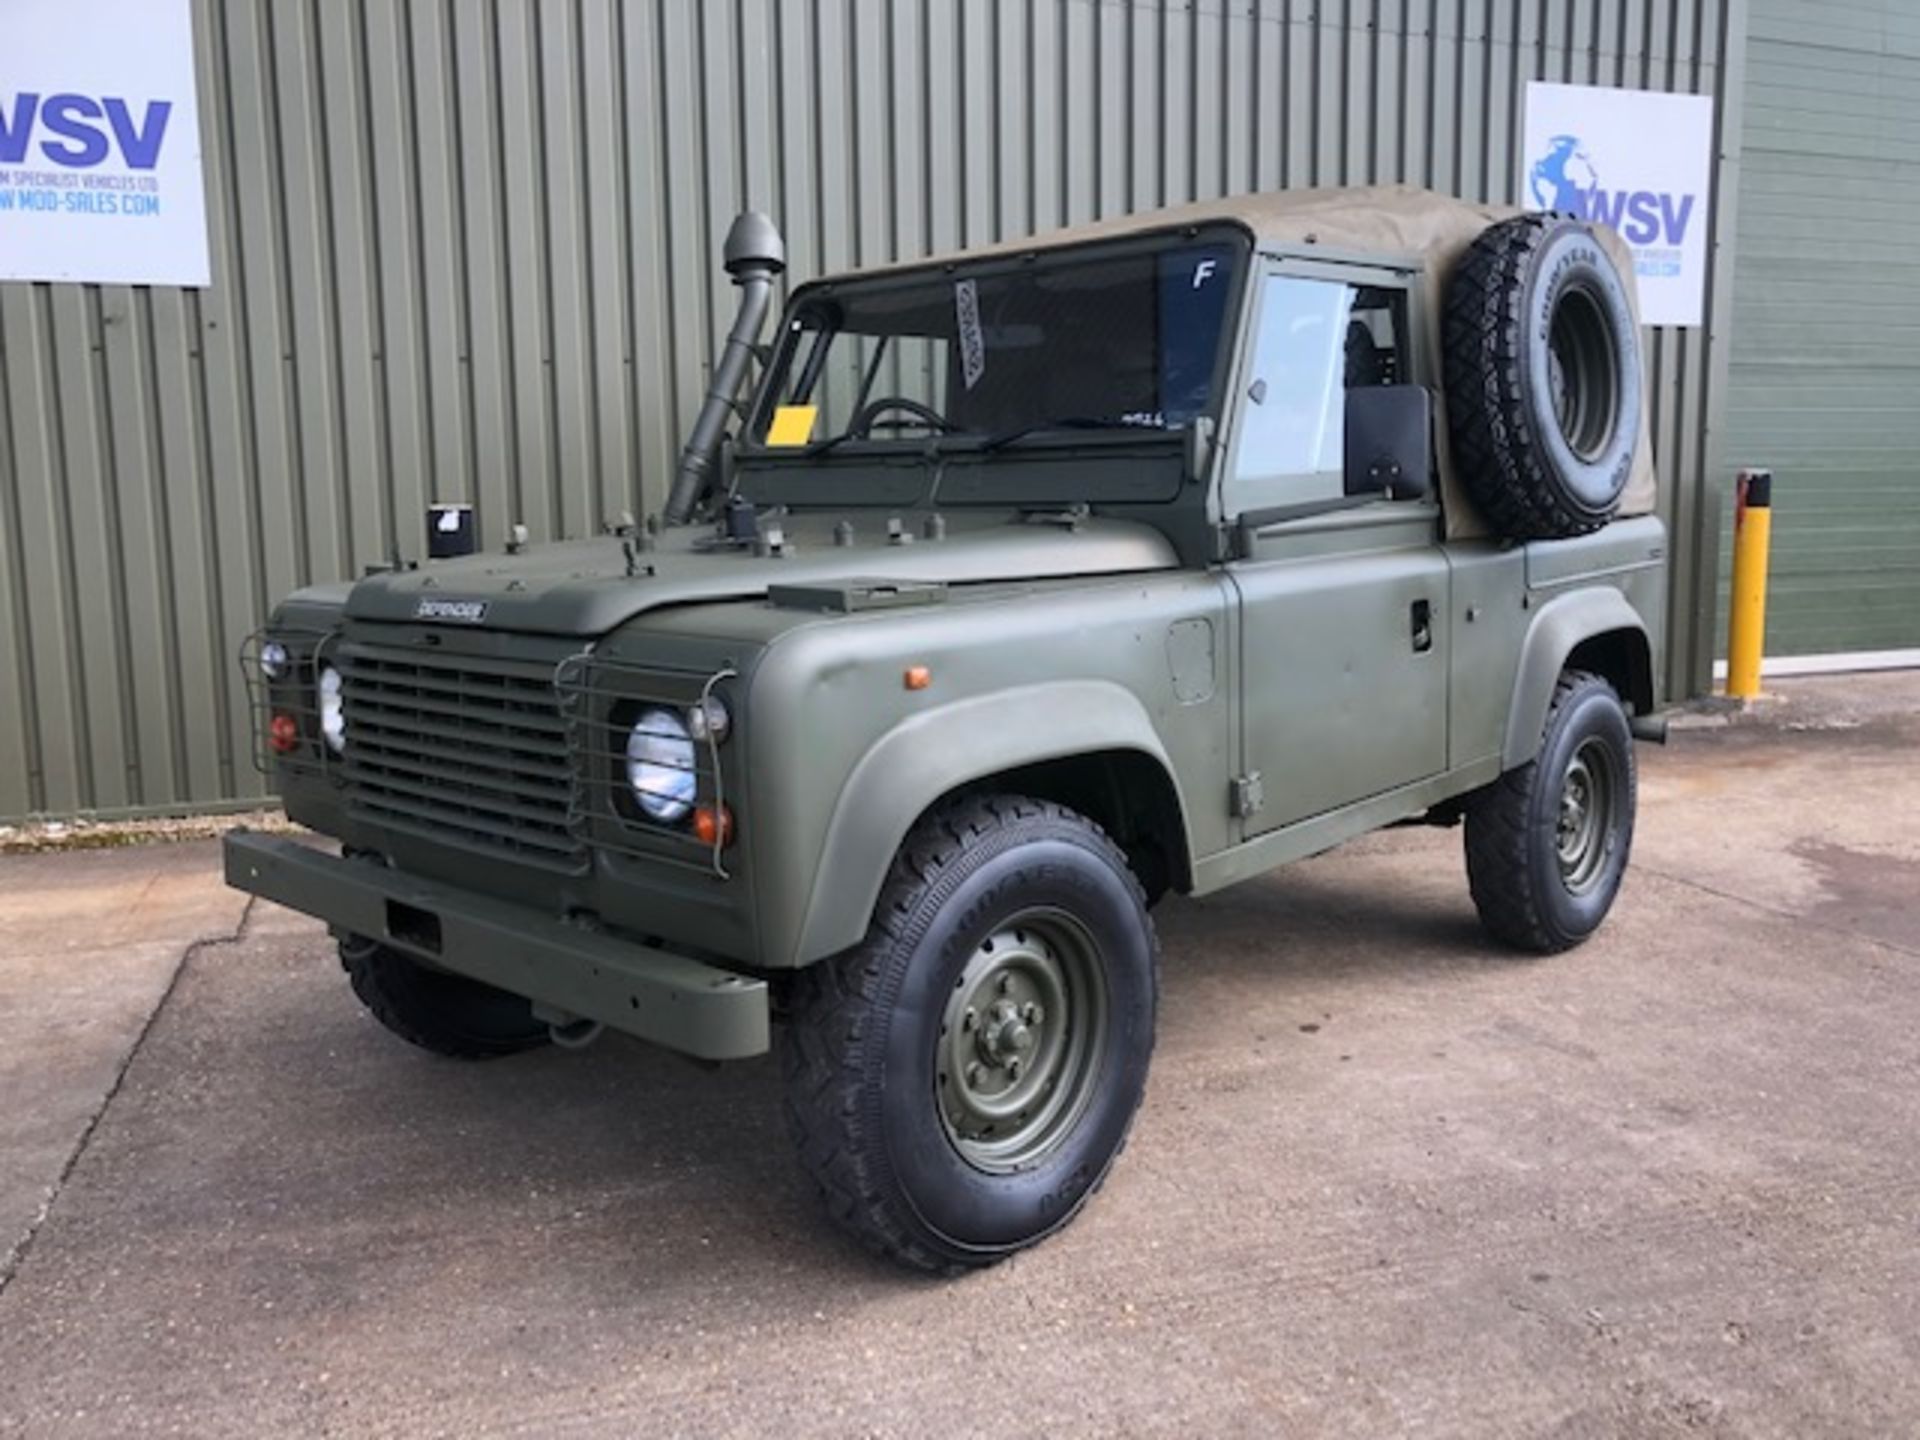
(1343,630)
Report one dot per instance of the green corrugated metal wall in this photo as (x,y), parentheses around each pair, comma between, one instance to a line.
(465,249)
(1824,385)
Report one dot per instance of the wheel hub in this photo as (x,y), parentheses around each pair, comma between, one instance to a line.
(1583,831)
(1581,364)
(1019,1041)
(1009,1035)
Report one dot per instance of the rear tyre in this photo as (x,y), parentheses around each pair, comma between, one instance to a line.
(1544,377)
(1547,843)
(447,1014)
(959,1083)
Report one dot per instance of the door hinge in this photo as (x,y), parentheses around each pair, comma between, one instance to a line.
(1247,795)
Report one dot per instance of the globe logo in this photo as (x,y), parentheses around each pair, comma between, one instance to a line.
(1564,178)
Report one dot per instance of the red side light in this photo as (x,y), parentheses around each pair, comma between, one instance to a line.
(283,733)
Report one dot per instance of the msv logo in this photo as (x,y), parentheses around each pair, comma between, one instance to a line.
(1565,179)
(83,131)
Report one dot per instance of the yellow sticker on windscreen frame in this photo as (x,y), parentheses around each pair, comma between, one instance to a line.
(792,424)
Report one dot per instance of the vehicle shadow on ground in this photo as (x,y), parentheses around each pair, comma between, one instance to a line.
(627,1170)
(1322,918)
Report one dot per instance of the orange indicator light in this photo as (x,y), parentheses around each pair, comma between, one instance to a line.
(710,825)
(918,677)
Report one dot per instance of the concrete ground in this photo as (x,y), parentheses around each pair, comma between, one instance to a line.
(1386,1179)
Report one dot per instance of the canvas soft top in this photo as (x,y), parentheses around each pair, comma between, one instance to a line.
(1394,222)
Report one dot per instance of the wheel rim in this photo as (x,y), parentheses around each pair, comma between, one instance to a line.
(1582,366)
(1584,831)
(1021,1040)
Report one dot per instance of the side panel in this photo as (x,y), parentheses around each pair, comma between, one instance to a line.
(1511,641)
(1490,615)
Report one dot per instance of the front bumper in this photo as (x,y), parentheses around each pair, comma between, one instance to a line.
(683,1004)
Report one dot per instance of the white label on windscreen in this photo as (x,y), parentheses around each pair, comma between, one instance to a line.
(973,343)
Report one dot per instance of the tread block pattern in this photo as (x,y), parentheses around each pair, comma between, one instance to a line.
(1500,874)
(835,1012)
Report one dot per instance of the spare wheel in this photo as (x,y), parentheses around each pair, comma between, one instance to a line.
(1544,377)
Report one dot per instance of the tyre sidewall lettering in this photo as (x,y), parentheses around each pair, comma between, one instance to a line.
(1572,256)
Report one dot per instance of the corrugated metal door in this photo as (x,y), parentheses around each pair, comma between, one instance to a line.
(466,250)
(1824,380)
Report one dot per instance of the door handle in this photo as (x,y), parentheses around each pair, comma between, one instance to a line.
(1422,627)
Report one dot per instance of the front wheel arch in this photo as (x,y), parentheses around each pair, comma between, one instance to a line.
(963,749)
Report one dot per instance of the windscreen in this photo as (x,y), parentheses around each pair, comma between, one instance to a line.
(1076,339)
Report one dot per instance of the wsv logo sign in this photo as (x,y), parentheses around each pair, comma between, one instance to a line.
(1564,179)
(80,132)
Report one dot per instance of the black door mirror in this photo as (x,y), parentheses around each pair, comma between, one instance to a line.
(1389,441)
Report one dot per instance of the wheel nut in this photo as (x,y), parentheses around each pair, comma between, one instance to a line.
(971,1020)
(974,1072)
(1033,1014)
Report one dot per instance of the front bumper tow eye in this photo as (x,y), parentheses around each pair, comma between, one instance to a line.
(567,1030)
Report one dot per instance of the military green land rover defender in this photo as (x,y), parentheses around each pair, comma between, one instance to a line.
(1028,585)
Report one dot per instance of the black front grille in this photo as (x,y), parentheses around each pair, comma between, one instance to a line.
(460,747)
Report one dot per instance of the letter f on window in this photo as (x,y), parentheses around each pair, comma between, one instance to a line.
(1201,272)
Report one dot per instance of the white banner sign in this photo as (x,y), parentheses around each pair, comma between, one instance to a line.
(100,143)
(1637,160)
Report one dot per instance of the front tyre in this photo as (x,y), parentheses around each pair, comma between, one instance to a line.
(1547,843)
(960,1082)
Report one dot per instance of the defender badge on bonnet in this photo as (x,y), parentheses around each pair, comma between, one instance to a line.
(468,612)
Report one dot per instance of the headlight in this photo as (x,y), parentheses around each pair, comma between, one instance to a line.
(333,711)
(660,764)
(274,660)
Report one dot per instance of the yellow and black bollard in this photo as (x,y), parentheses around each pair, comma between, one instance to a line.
(1747,625)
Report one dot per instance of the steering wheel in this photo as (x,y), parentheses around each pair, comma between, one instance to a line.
(871,412)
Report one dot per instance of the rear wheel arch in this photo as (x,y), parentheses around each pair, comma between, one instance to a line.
(1624,659)
(1595,630)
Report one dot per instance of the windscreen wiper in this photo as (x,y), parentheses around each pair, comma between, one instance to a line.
(1065,422)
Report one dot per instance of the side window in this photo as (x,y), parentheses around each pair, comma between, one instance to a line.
(1314,340)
